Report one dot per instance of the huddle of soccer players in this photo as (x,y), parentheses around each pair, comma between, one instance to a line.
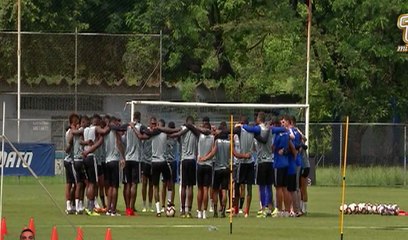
(101,152)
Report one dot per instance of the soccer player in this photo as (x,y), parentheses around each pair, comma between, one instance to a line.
(79,173)
(170,157)
(146,164)
(159,165)
(221,150)
(265,174)
(101,168)
(283,149)
(298,142)
(93,139)
(132,169)
(69,165)
(115,159)
(188,166)
(244,143)
(204,171)
(294,165)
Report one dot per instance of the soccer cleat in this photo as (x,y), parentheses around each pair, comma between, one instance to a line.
(144,210)
(94,214)
(199,214)
(240,211)
(108,213)
(183,215)
(128,212)
(188,215)
(211,209)
(162,210)
(151,210)
(69,211)
(215,214)
(87,212)
(79,212)
(246,215)
(275,212)
(204,215)
(261,214)
(115,214)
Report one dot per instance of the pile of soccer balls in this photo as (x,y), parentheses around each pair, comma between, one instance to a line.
(368,208)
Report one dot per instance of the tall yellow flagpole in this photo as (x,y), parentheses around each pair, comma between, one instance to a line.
(343,190)
(231,164)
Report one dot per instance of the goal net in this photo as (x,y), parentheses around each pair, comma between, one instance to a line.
(217,112)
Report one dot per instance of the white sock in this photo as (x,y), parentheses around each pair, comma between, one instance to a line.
(97,204)
(304,209)
(169,193)
(158,207)
(81,205)
(77,207)
(186,209)
(68,205)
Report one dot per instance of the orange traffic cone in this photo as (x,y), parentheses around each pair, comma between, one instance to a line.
(80,234)
(31,225)
(3,227)
(108,235)
(54,233)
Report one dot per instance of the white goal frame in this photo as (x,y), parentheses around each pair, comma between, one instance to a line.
(225,105)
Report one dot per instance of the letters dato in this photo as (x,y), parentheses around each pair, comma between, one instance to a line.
(12,159)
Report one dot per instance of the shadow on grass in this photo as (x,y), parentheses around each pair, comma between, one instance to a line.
(321,215)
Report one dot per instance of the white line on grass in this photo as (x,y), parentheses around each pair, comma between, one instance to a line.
(141,226)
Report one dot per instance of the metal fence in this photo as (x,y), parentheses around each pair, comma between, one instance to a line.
(369,144)
(65,72)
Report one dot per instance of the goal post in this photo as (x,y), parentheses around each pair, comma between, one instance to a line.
(157,108)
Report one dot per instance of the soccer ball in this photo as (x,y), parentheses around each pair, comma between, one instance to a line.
(344,208)
(170,211)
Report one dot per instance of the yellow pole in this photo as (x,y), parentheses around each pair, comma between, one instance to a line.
(344,179)
(231,162)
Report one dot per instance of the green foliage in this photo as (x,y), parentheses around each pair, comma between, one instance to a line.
(248,48)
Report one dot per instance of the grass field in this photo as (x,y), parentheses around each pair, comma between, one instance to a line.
(24,198)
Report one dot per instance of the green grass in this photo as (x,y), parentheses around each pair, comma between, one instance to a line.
(361,176)
(25,198)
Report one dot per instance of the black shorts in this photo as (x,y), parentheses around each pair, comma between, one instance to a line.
(90,168)
(281,177)
(101,169)
(265,175)
(112,177)
(146,170)
(69,172)
(221,179)
(188,172)
(305,172)
(131,172)
(79,172)
(204,175)
(160,168)
(292,183)
(246,173)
